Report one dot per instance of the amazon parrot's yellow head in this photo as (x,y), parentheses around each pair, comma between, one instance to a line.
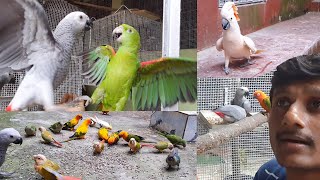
(127,36)
(229,14)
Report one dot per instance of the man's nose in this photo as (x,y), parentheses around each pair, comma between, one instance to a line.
(294,116)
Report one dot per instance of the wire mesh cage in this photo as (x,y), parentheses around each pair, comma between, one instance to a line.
(215,92)
(188,28)
(239,157)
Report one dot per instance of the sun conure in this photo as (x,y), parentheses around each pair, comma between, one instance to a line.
(165,80)
(126,136)
(72,123)
(81,131)
(113,138)
(263,99)
(103,134)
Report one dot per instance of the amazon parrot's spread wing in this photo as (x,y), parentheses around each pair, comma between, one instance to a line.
(95,65)
(97,60)
(165,80)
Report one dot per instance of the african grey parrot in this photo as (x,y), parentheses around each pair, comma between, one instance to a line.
(240,99)
(26,42)
(5,78)
(7,136)
(231,113)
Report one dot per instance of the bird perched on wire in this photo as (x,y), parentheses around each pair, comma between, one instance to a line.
(27,43)
(241,100)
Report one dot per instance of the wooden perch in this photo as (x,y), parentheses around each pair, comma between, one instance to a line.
(225,133)
(88,5)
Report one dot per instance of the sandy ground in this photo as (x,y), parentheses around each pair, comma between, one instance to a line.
(76,157)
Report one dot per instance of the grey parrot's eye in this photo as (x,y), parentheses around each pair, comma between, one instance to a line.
(11,136)
(81,17)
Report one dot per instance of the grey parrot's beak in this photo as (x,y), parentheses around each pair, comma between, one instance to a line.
(246,93)
(89,25)
(18,141)
(225,24)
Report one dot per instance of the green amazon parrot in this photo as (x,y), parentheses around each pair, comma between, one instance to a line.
(119,74)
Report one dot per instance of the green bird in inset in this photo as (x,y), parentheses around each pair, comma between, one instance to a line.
(163,80)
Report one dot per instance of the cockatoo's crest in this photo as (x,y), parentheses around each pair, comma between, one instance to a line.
(235,11)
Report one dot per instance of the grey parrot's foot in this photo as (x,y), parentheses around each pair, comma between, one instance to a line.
(6,174)
(84,98)
(248,63)
(226,70)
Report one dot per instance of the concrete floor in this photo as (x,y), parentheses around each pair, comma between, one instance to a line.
(280,42)
(76,158)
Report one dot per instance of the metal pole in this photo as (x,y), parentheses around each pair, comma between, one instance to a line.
(171,34)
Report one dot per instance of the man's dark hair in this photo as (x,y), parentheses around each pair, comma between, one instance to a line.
(299,68)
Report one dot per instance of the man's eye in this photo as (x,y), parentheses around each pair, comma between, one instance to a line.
(315,104)
(283,102)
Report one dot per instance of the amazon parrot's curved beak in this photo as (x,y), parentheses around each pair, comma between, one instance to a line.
(225,24)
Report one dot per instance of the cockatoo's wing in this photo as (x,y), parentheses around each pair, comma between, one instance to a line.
(248,42)
(219,44)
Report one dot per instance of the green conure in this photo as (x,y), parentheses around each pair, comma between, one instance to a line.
(175,140)
(30,130)
(161,146)
(117,75)
(56,127)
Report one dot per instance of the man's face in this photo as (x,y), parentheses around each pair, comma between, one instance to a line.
(295,124)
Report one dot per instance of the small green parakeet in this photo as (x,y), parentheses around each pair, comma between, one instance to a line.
(119,74)
(30,130)
(56,127)
(175,140)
